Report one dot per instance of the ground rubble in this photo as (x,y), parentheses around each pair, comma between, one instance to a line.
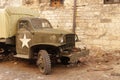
(106,67)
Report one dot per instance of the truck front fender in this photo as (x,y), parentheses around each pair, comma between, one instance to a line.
(51,49)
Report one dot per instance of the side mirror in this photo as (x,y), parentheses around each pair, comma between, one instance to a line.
(76,38)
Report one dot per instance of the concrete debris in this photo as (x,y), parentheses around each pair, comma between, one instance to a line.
(17,79)
(107,76)
(15,63)
(39,77)
(1,77)
(115,74)
(100,68)
(116,71)
(7,72)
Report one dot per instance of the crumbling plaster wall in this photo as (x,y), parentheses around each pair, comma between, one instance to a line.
(98,24)
(5,3)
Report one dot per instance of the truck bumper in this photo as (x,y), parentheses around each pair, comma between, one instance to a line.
(74,56)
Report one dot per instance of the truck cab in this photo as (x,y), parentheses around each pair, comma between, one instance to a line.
(34,34)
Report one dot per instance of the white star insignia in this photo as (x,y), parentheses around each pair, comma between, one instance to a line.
(25,41)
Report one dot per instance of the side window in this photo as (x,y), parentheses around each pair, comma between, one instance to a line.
(36,24)
(23,24)
(45,24)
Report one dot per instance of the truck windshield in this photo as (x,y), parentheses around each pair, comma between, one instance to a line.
(40,23)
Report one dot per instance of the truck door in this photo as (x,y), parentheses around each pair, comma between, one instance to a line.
(23,39)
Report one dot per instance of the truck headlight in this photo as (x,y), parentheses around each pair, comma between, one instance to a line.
(61,39)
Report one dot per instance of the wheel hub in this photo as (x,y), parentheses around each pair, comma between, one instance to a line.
(1,50)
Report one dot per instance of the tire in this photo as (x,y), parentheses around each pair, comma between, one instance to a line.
(44,62)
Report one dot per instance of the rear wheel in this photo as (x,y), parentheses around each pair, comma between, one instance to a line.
(1,53)
(44,62)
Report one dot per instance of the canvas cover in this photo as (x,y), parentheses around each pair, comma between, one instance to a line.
(9,18)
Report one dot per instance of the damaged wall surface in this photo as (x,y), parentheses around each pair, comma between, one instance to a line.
(97,24)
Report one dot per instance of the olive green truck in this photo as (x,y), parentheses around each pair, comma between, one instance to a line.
(24,35)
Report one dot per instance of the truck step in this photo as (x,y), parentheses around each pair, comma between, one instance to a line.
(1,57)
(21,56)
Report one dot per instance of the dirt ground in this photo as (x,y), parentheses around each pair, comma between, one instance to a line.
(92,68)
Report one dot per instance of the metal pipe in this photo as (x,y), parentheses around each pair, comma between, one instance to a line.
(74,16)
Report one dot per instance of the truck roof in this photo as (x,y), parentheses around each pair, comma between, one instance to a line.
(9,18)
(21,11)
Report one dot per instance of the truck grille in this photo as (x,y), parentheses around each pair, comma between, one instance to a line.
(70,40)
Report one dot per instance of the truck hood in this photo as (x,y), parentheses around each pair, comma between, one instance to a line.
(55,31)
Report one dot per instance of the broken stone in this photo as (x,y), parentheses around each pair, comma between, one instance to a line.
(7,72)
(15,63)
(116,71)
(17,79)
(1,77)
(115,74)
(39,77)
(107,76)
(100,68)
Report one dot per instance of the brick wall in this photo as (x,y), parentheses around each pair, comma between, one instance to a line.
(98,24)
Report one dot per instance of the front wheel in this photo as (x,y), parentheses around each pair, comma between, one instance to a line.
(44,62)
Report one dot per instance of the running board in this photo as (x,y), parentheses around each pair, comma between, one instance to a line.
(21,56)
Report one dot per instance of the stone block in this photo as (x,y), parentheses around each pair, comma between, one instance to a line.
(105,20)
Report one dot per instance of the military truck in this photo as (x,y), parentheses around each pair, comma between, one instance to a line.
(24,35)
